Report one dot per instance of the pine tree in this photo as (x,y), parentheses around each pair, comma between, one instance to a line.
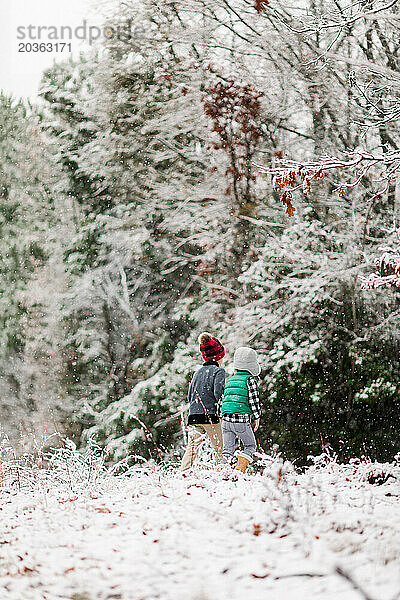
(32,189)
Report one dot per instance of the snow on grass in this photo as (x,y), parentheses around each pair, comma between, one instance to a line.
(279,534)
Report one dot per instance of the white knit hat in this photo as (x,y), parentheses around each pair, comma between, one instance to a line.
(245,359)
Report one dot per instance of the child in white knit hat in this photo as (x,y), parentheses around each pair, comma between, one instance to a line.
(240,408)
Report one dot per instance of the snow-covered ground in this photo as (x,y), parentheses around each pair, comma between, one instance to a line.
(277,535)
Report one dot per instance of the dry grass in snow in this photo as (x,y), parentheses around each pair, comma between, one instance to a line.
(329,532)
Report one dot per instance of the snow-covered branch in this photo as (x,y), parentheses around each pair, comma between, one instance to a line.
(290,175)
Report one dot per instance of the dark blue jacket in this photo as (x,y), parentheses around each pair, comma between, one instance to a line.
(205,390)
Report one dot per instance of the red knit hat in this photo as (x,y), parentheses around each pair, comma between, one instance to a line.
(210,347)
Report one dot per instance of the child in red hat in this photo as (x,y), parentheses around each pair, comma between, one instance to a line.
(205,391)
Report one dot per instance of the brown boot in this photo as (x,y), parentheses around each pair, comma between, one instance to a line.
(243,462)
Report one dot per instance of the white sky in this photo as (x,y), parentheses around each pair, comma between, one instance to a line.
(20,73)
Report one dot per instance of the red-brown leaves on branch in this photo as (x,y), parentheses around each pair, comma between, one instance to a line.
(260,5)
(358,164)
(286,200)
(235,112)
(229,104)
(290,179)
(286,179)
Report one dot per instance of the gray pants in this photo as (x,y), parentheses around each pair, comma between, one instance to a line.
(244,431)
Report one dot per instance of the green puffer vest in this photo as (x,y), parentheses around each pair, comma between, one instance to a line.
(236,395)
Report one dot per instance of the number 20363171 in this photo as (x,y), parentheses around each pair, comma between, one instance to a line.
(44,47)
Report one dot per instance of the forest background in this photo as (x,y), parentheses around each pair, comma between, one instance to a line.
(135,213)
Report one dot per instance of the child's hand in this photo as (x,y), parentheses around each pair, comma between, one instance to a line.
(256,424)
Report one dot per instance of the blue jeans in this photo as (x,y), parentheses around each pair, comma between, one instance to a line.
(243,431)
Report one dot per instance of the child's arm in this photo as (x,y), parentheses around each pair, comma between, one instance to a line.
(254,400)
(219,385)
(190,391)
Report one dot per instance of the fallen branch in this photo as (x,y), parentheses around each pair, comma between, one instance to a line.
(301,575)
(353,583)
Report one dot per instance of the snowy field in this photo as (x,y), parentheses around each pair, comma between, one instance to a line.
(325,533)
